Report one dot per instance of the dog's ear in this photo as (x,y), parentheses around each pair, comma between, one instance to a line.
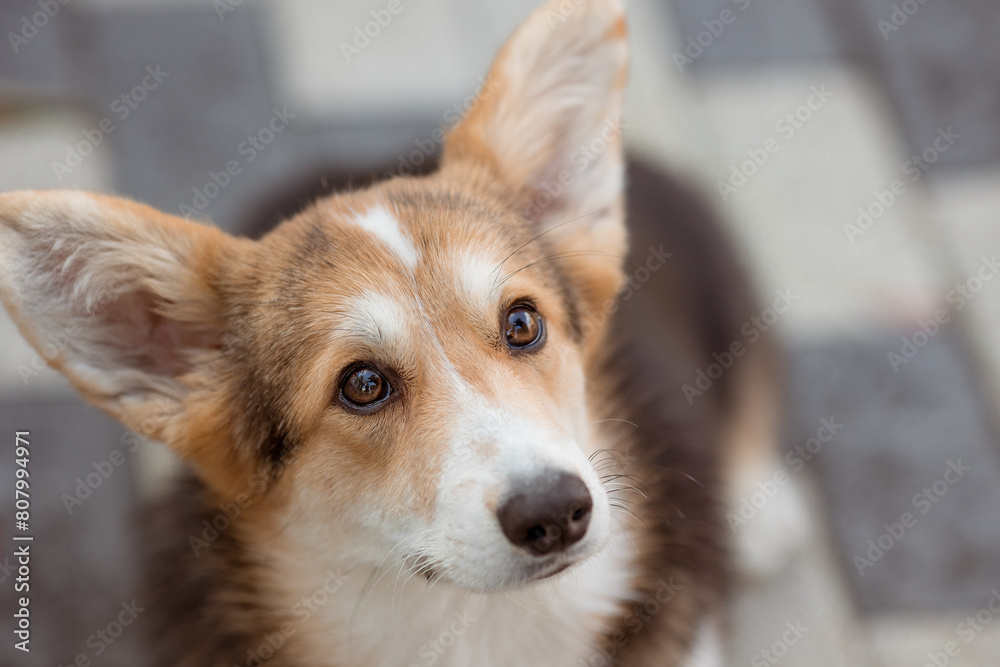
(546,126)
(122,299)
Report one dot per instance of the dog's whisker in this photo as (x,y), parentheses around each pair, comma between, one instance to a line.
(621,530)
(607,465)
(597,452)
(612,495)
(683,474)
(627,510)
(401,542)
(605,456)
(365,590)
(538,236)
(613,419)
(392,602)
(607,462)
(560,255)
(526,608)
(613,476)
(622,486)
(610,456)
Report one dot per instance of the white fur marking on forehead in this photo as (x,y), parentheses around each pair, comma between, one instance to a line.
(381,224)
(376,317)
(479,280)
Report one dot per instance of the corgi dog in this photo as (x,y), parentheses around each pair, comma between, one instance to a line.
(438,421)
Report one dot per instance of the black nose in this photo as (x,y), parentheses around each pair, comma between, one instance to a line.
(547,514)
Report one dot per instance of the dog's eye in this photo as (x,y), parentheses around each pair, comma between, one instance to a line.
(364,387)
(523,327)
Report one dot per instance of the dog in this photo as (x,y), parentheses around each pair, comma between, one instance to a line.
(444,420)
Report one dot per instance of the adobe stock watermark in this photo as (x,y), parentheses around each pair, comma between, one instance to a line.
(248,149)
(958,297)
(430,652)
(223,7)
(6,569)
(913,169)
(695,45)
(772,655)
(899,17)
(426,147)
(102,470)
(363,35)
(87,485)
(753,329)
(796,460)
(968,630)
(581,158)
(103,638)
(635,620)
(121,108)
(55,343)
(302,611)
(563,11)
(656,259)
(923,502)
(32,24)
(230,511)
(786,127)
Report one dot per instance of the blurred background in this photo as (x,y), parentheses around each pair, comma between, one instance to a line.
(852,147)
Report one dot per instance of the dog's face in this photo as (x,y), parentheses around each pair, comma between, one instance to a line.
(398,373)
(440,364)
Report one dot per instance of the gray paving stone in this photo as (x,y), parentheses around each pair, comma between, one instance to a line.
(755,31)
(83,564)
(901,433)
(214,95)
(315,161)
(941,67)
(173,148)
(939,62)
(38,65)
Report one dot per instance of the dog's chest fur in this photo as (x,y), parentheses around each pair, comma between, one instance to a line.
(388,618)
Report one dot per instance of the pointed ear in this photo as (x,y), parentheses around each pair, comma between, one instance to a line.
(547,127)
(120,298)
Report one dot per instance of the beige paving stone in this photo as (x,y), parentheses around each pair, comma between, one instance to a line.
(34,138)
(815,171)
(424,59)
(665,120)
(810,594)
(920,641)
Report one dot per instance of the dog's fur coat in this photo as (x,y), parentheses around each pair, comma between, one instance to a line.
(306,534)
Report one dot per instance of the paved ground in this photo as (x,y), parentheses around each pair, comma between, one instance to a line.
(872,267)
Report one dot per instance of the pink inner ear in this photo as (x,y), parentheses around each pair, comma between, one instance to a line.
(147,340)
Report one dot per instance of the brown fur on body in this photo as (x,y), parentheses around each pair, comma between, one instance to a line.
(666,329)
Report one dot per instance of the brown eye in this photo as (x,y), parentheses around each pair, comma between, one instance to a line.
(523,327)
(364,387)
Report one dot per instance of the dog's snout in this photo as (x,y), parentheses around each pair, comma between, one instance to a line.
(547,514)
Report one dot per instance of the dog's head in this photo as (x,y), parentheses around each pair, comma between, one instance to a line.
(399,372)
